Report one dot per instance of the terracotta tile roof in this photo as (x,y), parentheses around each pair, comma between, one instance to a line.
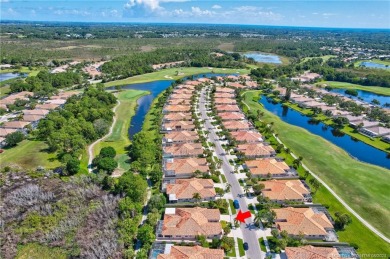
(225,101)
(181,136)
(47,106)
(35,112)
(56,101)
(183,91)
(64,95)
(203,79)
(251,84)
(192,222)
(185,188)
(267,166)
(177,116)
(228,107)
(302,220)
(179,125)
(192,252)
(246,136)
(232,77)
(178,101)
(5,132)
(185,149)
(235,85)
(191,87)
(284,190)
(186,165)
(15,124)
(180,96)
(256,149)
(224,95)
(224,90)
(33,117)
(10,99)
(237,125)
(193,82)
(312,252)
(225,116)
(177,108)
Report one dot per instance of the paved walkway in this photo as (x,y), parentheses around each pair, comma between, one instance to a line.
(90,148)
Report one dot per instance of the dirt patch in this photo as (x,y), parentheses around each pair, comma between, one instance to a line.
(147,48)
(227,46)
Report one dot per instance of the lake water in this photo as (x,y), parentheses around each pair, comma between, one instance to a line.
(7,76)
(144,103)
(263,57)
(355,148)
(371,64)
(364,96)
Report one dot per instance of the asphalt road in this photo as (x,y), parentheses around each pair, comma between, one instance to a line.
(248,229)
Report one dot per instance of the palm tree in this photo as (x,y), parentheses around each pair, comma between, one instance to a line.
(196,196)
(227,188)
(257,219)
(246,189)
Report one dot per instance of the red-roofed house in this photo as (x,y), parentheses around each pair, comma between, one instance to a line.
(184,167)
(256,150)
(183,190)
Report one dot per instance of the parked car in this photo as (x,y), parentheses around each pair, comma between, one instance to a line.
(246,246)
(236,204)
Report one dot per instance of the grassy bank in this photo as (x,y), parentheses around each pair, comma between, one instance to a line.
(375,142)
(343,85)
(174,74)
(119,139)
(363,186)
(30,154)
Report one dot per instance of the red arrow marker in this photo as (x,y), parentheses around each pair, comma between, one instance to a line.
(241,216)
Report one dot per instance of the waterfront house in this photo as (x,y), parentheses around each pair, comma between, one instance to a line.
(180,137)
(183,150)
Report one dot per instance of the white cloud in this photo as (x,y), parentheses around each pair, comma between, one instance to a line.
(72,12)
(4,1)
(329,14)
(151,5)
(216,6)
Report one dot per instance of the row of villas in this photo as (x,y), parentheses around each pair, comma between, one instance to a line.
(183,159)
(29,118)
(312,221)
(365,126)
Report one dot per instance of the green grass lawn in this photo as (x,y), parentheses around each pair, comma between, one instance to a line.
(324,58)
(232,253)
(262,245)
(5,90)
(241,247)
(30,154)
(33,72)
(373,89)
(172,74)
(119,138)
(232,207)
(37,251)
(363,186)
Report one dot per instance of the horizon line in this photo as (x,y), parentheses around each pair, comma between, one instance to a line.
(196,23)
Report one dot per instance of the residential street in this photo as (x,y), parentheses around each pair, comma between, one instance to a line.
(248,230)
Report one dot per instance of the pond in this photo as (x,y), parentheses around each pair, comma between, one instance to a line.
(144,103)
(264,57)
(356,149)
(7,76)
(364,96)
(370,64)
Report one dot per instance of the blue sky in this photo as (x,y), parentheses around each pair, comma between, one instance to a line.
(312,13)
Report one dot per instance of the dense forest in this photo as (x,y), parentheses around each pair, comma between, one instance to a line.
(83,119)
(140,63)
(46,83)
